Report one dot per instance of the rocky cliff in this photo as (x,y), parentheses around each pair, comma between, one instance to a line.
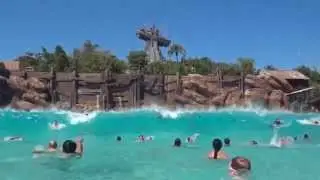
(265,90)
(24,94)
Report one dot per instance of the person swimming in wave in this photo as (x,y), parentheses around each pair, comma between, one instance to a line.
(55,124)
(72,148)
(253,142)
(284,141)
(142,138)
(227,142)
(177,142)
(52,147)
(193,138)
(239,167)
(306,136)
(216,153)
(118,138)
(13,138)
(277,123)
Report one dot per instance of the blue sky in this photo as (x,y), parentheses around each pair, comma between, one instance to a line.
(284,33)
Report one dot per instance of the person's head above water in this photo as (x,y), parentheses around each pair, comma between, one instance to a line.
(277,121)
(217,145)
(239,166)
(119,138)
(189,139)
(53,145)
(177,142)
(306,136)
(227,141)
(69,147)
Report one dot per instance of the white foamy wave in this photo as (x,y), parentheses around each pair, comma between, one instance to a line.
(76,118)
(311,121)
(60,126)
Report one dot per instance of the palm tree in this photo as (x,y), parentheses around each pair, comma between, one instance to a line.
(177,50)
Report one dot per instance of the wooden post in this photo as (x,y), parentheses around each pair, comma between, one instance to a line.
(138,89)
(134,92)
(53,83)
(25,75)
(178,83)
(220,78)
(161,86)
(102,89)
(98,102)
(107,92)
(242,84)
(74,88)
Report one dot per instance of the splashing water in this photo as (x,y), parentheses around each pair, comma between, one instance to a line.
(104,158)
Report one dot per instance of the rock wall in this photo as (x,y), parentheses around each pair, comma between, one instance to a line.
(261,89)
(20,93)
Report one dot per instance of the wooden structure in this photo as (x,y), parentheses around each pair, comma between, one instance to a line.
(294,78)
(101,88)
(153,42)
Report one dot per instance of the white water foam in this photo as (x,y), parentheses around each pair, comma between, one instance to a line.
(311,121)
(76,118)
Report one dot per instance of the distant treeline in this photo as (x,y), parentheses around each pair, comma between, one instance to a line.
(92,58)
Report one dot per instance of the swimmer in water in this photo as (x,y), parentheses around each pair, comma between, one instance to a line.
(55,124)
(253,142)
(216,153)
(13,138)
(306,136)
(227,141)
(72,148)
(118,138)
(177,142)
(277,123)
(141,138)
(52,147)
(193,138)
(239,167)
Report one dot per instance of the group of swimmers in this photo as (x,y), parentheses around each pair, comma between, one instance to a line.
(238,166)
(70,148)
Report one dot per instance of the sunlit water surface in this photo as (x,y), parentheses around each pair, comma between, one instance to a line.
(104,158)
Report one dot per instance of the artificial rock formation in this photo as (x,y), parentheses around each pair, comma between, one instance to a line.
(20,93)
(263,90)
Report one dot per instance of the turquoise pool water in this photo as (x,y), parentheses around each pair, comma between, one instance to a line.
(104,158)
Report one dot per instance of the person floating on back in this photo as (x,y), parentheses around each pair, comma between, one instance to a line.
(239,167)
(216,153)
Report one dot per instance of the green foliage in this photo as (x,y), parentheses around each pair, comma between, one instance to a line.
(29,60)
(137,60)
(247,65)
(61,59)
(230,69)
(202,65)
(270,67)
(177,50)
(312,73)
(90,57)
